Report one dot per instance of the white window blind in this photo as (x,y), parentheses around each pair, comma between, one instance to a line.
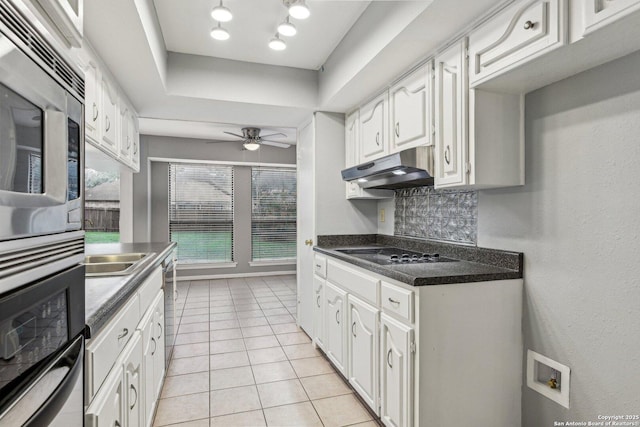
(273,213)
(201,212)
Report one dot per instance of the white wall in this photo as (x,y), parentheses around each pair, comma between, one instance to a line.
(577,220)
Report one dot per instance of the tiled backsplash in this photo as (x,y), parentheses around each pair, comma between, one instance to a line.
(447,215)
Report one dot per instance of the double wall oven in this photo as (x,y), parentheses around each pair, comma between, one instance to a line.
(41,238)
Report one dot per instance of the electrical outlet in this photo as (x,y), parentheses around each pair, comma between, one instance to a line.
(381,215)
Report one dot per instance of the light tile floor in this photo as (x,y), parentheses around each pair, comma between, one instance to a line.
(240,360)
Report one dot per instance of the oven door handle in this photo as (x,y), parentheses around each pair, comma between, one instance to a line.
(30,410)
(73,358)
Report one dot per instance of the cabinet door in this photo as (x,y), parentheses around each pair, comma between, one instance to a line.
(451,116)
(352,138)
(158,356)
(92,107)
(133,382)
(374,132)
(318,311)
(396,373)
(410,112)
(363,350)
(107,408)
(335,318)
(599,13)
(149,348)
(125,133)
(109,110)
(516,35)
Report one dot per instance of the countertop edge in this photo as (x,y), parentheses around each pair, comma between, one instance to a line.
(107,310)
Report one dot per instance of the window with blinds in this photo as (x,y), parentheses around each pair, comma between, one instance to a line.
(273,213)
(201,212)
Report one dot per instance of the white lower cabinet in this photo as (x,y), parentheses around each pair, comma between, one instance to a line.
(412,353)
(335,319)
(133,386)
(107,408)
(153,355)
(318,308)
(396,372)
(363,349)
(128,395)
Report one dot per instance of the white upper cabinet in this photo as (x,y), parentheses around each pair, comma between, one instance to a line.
(352,139)
(92,107)
(62,18)
(411,110)
(374,128)
(599,13)
(451,116)
(518,34)
(109,116)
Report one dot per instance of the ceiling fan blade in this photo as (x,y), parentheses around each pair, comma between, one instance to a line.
(275,144)
(279,134)
(234,134)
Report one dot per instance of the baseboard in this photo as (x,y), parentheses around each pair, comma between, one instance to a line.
(236,275)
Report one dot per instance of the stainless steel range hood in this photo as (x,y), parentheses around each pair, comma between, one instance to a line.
(409,168)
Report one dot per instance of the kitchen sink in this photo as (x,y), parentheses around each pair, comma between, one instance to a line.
(114,264)
(119,258)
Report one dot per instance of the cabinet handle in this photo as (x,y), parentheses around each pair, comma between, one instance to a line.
(95,112)
(353,330)
(318,301)
(108,123)
(155,346)
(337,319)
(117,424)
(389,359)
(128,143)
(160,334)
(135,148)
(398,129)
(392,301)
(528,25)
(124,333)
(377,138)
(136,399)
(447,155)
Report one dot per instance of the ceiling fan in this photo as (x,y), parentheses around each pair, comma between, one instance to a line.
(252,140)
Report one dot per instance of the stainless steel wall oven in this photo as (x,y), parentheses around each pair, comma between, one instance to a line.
(41,239)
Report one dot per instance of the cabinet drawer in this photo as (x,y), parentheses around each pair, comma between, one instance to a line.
(320,266)
(103,350)
(149,289)
(398,301)
(515,36)
(354,281)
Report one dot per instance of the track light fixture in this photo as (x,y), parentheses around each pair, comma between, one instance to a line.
(221,13)
(276,43)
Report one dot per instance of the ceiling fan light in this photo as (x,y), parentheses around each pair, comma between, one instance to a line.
(298,9)
(251,146)
(220,33)
(277,43)
(221,13)
(287,28)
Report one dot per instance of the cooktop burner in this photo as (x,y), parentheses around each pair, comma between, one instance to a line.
(394,256)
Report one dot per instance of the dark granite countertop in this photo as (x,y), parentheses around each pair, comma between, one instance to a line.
(105,295)
(474,265)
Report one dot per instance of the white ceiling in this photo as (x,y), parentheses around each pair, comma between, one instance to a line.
(186,25)
(184,83)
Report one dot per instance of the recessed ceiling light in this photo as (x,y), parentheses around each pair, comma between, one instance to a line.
(298,9)
(287,28)
(220,33)
(277,43)
(221,13)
